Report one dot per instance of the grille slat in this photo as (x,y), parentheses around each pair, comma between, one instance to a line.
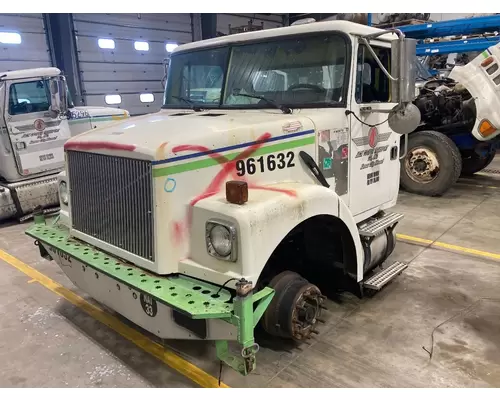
(112,200)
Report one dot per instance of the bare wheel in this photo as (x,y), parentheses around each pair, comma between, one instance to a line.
(432,164)
(295,309)
(422,165)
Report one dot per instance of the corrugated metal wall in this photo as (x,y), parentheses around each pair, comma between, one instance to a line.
(23,42)
(131,66)
(269,21)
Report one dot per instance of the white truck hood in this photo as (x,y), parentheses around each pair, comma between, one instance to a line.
(97,111)
(153,136)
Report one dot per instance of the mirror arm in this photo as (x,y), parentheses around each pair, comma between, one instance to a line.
(386,73)
(398,32)
(401,36)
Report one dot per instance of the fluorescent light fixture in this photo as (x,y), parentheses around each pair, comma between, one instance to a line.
(106,43)
(141,46)
(170,47)
(147,97)
(10,38)
(113,99)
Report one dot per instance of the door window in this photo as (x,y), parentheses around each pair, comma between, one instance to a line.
(372,85)
(28,97)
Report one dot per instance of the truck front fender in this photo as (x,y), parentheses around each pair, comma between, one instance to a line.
(261,224)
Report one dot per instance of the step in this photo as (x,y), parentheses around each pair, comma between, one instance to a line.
(377,225)
(384,276)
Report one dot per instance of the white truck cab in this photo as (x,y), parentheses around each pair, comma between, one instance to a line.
(37,116)
(244,199)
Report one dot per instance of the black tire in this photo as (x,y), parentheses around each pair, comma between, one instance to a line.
(475,164)
(447,155)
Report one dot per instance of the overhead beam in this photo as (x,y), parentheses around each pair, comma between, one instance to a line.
(208,26)
(62,44)
(196,27)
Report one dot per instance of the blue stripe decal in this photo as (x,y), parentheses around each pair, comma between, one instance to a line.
(234,147)
(95,116)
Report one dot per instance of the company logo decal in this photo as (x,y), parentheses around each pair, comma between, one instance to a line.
(39,125)
(372,137)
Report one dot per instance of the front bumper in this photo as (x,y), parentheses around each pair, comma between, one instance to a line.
(22,198)
(168,306)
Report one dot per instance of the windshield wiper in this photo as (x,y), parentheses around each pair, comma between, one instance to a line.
(283,108)
(188,101)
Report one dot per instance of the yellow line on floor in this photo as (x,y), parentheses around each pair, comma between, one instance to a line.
(477,185)
(448,246)
(174,361)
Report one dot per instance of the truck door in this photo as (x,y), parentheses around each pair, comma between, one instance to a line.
(374,156)
(37,138)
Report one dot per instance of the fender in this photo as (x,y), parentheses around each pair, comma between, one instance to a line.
(261,224)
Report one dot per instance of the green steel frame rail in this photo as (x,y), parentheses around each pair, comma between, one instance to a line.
(194,298)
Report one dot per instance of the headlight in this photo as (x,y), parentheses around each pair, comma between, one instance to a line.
(63,192)
(221,240)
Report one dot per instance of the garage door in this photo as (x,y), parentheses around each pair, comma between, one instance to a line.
(268,21)
(23,42)
(120,57)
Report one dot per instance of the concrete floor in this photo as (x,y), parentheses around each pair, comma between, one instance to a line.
(374,342)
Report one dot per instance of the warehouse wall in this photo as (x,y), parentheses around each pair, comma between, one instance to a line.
(120,57)
(117,58)
(23,42)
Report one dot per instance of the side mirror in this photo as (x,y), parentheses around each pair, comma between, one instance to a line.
(405,117)
(403,68)
(58,96)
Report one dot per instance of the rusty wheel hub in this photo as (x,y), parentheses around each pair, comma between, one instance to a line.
(306,312)
(422,165)
(295,309)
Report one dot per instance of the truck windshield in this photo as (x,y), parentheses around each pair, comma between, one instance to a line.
(29,97)
(305,72)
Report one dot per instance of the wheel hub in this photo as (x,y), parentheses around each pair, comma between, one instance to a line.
(295,309)
(422,165)
(306,312)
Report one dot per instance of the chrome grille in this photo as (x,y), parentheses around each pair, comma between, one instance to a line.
(112,200)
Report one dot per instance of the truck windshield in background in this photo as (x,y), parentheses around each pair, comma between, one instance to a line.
(31,97)
(295,72)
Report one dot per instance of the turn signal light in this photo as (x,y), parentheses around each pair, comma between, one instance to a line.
(236,192)
(487,62)
(486,128)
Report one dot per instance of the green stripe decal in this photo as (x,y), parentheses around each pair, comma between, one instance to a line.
(485,54)
(210,162)
(87,120)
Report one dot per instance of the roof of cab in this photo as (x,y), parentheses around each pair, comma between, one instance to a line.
(322,26)
(29,73)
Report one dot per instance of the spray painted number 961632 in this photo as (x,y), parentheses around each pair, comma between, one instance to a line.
(263,163)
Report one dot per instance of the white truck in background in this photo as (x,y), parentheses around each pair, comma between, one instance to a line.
(37,118)
(459,132)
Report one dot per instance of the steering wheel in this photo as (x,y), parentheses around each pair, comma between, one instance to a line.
(316,88)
